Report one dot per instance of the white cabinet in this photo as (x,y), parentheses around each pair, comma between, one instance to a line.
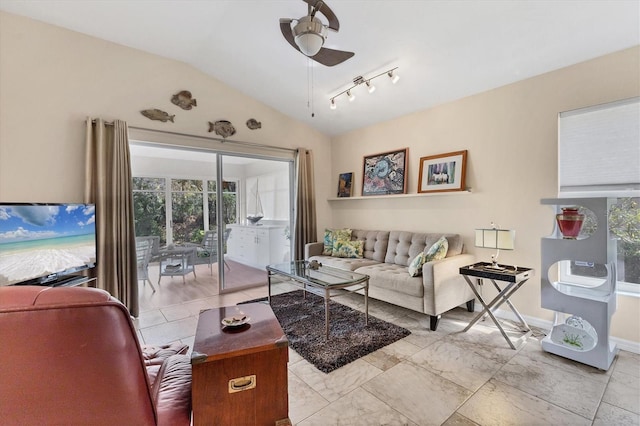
(579,281)
(256,246)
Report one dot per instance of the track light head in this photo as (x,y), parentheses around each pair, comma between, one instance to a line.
(333,104)
(394,77)
(370,87)
(351,96)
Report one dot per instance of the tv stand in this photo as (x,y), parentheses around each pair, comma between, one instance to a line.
(70,281)
(64,281)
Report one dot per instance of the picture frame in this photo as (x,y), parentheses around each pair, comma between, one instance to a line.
(443,172)
(385,173)
(345,183)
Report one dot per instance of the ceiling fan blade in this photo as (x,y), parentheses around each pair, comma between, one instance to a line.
(285,28)
(334,24)
(331,57)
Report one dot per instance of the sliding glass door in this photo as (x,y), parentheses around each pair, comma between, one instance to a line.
(181,196)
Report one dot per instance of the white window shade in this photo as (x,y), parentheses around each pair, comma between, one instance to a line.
(599,150)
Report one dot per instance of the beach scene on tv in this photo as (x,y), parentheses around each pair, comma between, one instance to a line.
(40,240)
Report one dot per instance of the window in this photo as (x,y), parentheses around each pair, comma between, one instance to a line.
(599,156)
(624,224)
(229,202)
(186,209)
(149,205)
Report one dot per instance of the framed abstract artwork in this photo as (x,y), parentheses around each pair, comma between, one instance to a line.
(443,172)
(385,173)
(344,184)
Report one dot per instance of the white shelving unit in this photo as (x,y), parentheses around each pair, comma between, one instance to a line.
(593,299)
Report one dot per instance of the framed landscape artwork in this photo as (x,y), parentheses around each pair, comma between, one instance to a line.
(443,172)
(344,184)
(385,173)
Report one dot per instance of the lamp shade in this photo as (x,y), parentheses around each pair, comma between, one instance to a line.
(309,35)
(502,239)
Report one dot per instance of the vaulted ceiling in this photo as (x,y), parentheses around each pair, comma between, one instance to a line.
(444,50)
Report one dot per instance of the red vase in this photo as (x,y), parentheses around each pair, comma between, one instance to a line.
(570,222)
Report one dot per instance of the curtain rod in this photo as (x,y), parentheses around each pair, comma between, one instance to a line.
(244,143)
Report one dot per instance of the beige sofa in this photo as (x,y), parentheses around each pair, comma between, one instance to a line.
(386,257)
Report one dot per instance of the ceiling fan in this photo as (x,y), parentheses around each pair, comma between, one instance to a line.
(309,33)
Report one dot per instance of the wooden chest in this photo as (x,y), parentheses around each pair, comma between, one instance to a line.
(240,373)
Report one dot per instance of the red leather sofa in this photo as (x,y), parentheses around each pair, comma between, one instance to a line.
(71,356)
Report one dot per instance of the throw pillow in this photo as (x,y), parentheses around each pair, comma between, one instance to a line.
(330,237)
(415,267)
(438,250)
(349,249)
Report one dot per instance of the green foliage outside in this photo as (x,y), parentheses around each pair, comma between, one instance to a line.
(624,223)
(187,211)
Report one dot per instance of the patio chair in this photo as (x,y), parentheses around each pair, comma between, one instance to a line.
(143,254)
(210,244)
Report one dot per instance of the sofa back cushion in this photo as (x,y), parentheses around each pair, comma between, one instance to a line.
(404,246)
(375,243)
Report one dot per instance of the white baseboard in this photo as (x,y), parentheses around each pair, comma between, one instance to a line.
(625,345)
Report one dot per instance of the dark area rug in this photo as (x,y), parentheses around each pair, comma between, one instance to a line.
(302,320)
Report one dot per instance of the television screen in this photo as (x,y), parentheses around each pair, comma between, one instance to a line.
(40,243)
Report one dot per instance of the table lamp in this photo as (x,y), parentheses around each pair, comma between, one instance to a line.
(499,239)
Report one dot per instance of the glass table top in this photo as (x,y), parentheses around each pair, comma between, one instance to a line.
(317,274)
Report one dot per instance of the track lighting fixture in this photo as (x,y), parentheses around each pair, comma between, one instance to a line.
(367,82)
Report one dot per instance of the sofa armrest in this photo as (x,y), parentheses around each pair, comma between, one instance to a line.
(313,249)
(442,278)
(448,267)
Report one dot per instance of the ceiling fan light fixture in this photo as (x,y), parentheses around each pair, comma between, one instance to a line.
(309,35)
(370,87)
(394,77)
(351,96)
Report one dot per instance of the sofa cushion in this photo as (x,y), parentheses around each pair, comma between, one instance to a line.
(348,248)
(393,277)
(331,235)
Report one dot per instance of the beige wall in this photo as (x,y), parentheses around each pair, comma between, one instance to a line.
(511,137)
(51,79)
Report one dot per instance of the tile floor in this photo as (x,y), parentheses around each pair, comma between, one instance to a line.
(435,378)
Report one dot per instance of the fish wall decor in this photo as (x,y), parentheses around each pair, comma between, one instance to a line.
(223,128)
(184,100)
(253,124)
(157,114)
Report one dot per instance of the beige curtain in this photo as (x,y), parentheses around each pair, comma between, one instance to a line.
(108,185)
(305,227)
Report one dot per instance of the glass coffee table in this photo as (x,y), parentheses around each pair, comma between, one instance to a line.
(321,280)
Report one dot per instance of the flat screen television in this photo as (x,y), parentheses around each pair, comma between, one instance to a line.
(42,243)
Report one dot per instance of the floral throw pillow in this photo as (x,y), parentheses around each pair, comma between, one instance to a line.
(348,248)
(330,237)
(436,252)
(415,267)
